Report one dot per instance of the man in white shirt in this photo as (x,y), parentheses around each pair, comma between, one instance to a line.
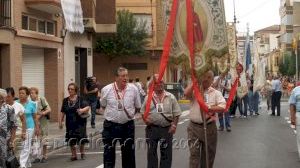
(216,104)
(276,95)
(120,100)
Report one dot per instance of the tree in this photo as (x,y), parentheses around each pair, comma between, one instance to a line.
(129,40)
(289,67)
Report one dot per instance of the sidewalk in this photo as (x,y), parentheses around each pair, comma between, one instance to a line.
(56,136)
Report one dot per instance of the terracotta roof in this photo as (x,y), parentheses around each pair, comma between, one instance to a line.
(270,28)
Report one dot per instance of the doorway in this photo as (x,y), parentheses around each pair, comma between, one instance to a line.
(80,68)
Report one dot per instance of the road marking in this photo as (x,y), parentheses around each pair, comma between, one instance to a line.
(101,166)
(185,113)
(87,153)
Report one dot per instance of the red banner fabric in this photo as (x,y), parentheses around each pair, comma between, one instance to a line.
(165,54)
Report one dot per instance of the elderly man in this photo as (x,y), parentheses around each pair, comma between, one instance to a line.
(216,103)
(120,100)
(161,124)
(7,127)
(295,112)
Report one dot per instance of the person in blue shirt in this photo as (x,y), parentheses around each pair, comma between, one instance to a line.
(32,125)
(295,112)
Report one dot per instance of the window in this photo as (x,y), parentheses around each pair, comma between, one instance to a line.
(141,18)
(32,24)
(38,25)
(5,12)
(136,66)
(42,27)
(50,28)
(25,22)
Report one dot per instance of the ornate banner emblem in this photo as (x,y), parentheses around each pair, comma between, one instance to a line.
(210,36)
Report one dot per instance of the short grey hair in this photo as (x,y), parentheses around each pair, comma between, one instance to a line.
(119,70)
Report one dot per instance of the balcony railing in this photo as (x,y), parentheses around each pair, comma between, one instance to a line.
(5,13)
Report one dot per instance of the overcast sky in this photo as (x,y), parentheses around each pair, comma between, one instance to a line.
(259,13)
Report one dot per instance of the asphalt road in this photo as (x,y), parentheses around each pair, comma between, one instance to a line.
(256,142)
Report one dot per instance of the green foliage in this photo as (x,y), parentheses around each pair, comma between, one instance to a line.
(289,66)
(129,40)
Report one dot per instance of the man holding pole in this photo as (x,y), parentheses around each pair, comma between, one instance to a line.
(202,134)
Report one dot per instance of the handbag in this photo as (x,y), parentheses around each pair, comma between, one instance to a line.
(84,115)
(12,161)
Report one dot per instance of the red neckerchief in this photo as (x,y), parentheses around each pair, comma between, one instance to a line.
(157,99)
(117,94)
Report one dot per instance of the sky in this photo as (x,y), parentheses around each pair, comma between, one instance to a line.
(258,13)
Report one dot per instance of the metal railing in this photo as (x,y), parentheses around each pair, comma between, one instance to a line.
(5,13)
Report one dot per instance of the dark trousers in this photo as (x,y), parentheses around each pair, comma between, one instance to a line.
(197,144)
(93,104)
(124,133)
(233,107)
(243,102)
(276,96)
(155,136)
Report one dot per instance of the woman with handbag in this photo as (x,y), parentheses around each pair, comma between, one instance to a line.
(76,110)
(32,125)
(43,115)
(7,126)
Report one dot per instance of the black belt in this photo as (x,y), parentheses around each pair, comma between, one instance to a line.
(152,125)
(208,123)
(118,124)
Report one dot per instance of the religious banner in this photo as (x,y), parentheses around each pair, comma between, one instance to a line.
(209,30)
(73,15)
(232,47)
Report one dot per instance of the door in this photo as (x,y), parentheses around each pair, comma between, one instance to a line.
(33,69)
(80,67)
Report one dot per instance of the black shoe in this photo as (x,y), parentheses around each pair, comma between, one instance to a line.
(83,157)
(272,114)
(36,161)
(73,158)
(44,160)
(278,114)
(228,129)
(257,113)
(93,126)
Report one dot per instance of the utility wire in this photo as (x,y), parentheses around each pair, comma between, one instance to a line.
(256,8)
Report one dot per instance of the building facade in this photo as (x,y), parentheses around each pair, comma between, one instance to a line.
(267,47)
(141,67)
(36,50)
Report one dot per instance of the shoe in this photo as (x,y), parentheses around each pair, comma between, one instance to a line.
(278,115)
(93,126)
(244,116)
(221,129)
(232,116)
(272,114)
(256,113)
(73,158)
(44,160)
(36,161)
(228,129)
(83,157)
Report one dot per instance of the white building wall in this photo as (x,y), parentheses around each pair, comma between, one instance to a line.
(273,41)
(73,40)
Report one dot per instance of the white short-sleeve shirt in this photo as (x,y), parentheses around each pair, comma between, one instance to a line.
(19,110)
(130,101)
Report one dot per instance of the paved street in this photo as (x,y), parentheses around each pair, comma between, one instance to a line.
(258,142)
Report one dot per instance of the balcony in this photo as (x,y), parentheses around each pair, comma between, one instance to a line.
(5,13)
(106,16)
(49,6)
(88,12)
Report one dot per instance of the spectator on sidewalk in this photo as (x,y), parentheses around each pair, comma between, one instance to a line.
(19,118)
(43,115)
(276,95)
(7,128)
(73,107)
(120,100)
(224,83)
(32,124)
(161,125)
(216,103)
(294,102)
(148,84)
(91,90)
(139,85)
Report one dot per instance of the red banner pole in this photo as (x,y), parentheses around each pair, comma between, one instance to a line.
(165,54)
